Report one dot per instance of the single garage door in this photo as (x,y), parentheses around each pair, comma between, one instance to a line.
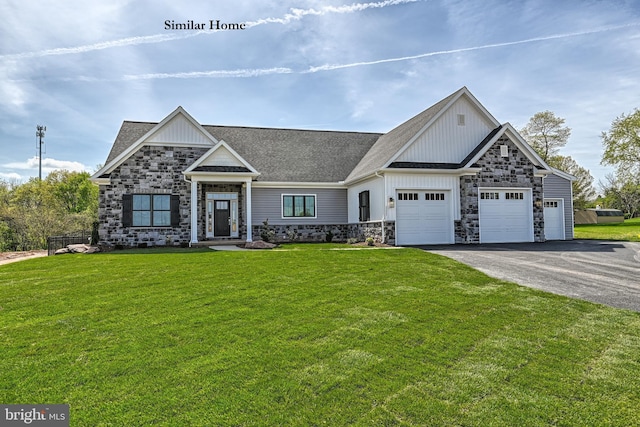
(553,219)
(506,215)
(424,218)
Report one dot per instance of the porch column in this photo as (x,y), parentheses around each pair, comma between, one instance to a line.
(247,196)
(194,210)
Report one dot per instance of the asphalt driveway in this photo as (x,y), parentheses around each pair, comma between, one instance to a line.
(598,271)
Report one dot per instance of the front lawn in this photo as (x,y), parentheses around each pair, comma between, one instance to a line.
(311,336)
(628,230)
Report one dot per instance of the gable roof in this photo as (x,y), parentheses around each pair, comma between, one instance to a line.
(393,143)
(278,155)
(293,155)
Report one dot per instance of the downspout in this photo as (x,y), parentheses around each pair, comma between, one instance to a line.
(384,209)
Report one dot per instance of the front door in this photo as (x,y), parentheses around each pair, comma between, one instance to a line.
(221,218)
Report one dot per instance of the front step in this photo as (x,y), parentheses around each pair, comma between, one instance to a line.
(218,242)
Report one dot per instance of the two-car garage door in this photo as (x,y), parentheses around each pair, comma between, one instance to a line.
(506,215)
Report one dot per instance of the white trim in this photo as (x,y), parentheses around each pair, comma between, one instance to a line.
(315,206)
(563,174)
(142,141)
(194,211)
(233,212)
(221,144)
(310,185)
(249,207)
(459,172)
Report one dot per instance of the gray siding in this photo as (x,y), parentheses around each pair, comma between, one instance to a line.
(556,187)
(331,206)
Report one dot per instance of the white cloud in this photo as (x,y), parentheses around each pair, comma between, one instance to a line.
(48,165)
(11,176)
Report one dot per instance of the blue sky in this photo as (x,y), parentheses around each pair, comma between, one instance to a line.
(81,68)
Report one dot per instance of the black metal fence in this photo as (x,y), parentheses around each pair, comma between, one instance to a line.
(58,242)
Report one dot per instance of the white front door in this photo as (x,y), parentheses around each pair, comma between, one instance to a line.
(506,215)
(222,215)
(553,219)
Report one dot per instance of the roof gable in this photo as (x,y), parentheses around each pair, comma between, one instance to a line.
(221,158)
(510,132)
(394,143)
(179,125)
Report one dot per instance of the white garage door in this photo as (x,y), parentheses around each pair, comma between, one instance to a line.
(506,215)
(424,218)
(553,219)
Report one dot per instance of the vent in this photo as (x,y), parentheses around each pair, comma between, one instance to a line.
(504,150)
(460,119)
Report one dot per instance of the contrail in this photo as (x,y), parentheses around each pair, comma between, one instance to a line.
(295,15)
(329,67)
(210,74)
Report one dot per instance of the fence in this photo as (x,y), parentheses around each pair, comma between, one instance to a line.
(58,242)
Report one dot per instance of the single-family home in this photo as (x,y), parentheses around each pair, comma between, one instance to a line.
(451,174)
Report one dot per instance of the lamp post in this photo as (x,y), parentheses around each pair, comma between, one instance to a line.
(40,134)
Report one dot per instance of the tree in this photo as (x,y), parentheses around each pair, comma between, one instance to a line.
(622,145)
(623,194)
(583,191)
(545,134)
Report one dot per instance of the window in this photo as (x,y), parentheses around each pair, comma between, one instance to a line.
(489,196)
(434,196)
(299,206)
(408,196)
(551,204)
(363,205)
(150,210)
(514,196)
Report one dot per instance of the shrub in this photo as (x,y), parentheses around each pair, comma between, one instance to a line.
(266,232)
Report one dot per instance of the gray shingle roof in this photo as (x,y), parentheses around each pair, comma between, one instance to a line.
(294,155)
(288,155)
(390,143)
(291,155)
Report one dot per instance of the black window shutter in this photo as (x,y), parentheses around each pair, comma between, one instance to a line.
(175,210)
(127,210)
(364,206)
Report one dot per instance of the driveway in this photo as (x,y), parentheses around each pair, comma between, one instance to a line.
(598,271)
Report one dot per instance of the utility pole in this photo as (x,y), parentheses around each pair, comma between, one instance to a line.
(40,134)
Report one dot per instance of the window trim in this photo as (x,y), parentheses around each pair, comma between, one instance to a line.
(315,205)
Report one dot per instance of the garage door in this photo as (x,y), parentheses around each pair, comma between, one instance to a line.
(553,219)
(505,215)
(424,218)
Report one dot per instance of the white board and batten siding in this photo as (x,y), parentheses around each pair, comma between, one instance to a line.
(557,188)
(505,214)
(375,187)
(331,206)
(180,130)
(435,144)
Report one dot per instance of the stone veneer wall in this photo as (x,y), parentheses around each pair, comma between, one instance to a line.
(151,170)
(514,171)
(341,232)
(202,207)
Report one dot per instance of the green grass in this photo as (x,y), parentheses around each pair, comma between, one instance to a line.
(629,231)
(306,337)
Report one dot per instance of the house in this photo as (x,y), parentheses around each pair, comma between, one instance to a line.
(451,174)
